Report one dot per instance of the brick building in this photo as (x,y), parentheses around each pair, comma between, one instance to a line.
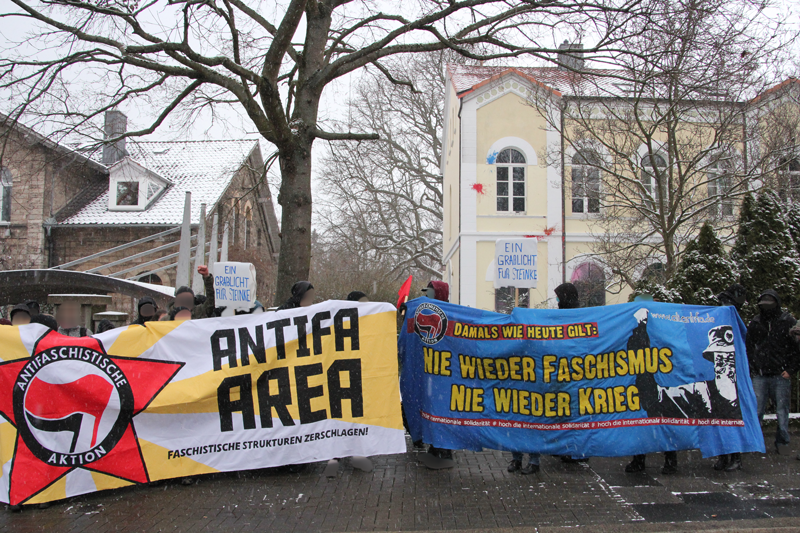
(60,206)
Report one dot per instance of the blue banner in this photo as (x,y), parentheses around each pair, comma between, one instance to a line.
(602,381)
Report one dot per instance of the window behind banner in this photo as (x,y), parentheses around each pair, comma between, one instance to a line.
(653,167)
(789,178)
(718,176)
(504,299)
(586,182)
(655,272)
(6,181)
(510,165)
(590,280)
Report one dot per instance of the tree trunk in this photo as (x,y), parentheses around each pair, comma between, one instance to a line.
(295,201)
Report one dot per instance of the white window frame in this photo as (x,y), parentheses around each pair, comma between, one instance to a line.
(583,170)
(128,170)
(511,169)
(789,177)
(651,188)
(719,184)
(6,184)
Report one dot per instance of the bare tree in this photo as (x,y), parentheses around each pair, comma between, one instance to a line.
(337,268)
(270,63)
(386,195)
(774,121)
(656,146)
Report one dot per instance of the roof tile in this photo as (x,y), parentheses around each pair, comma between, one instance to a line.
(205,168)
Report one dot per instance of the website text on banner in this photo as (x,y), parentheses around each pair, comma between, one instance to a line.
(603,381)
(175,399)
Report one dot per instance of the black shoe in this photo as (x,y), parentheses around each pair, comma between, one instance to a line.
(722,463)
(669,469)
(571,460)
(530,469)
(440,453)
(735,463)
(634,466)
(514,465)
(45,505)
(15,508)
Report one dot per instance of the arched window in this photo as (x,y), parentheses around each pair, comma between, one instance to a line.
(652,170)
(590,280)
(789,178)
(719,185)
(247,230)
(151,278)
(586,182)
(5,194)
(510,181)
(654,272)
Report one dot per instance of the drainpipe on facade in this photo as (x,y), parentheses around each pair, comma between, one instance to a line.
(563,206)
(48,236)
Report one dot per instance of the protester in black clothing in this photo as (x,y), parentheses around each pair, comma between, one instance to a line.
(147,308)
(104,325)
(437,458)
(33,306)
(20,315)
(568,298)
(357,296)
(733,296)
(185,297)
(180,313)
(773,357)
(302,296)
(639,340)
(45,320)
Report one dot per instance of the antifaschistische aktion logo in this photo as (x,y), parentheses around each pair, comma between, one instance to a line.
(430,323)
(73,406)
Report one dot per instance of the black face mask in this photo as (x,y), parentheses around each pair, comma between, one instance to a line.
(768,306)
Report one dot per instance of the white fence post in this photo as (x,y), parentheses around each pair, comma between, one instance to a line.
(184,251)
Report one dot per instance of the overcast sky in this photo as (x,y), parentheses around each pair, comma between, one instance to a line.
(231,124)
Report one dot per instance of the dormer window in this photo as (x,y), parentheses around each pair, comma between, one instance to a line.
(127,193)
(133,187)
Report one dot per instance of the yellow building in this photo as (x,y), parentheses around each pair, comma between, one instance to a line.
(501,180)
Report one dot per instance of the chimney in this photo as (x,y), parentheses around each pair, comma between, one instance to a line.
(571,58)
(116,124)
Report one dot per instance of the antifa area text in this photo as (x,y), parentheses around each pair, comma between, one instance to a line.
(272,389)
(513,371)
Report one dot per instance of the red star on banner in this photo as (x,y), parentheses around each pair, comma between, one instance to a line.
(88,383)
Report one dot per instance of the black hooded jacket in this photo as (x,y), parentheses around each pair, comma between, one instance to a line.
(770,348)
(567,296)
(299,289)
(139,318)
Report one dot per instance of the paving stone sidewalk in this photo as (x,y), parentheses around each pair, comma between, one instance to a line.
(401,494)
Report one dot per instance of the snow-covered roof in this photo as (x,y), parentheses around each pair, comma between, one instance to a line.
(205,168)
(592,82)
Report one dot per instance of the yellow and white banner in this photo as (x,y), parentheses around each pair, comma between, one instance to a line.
(176,399)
